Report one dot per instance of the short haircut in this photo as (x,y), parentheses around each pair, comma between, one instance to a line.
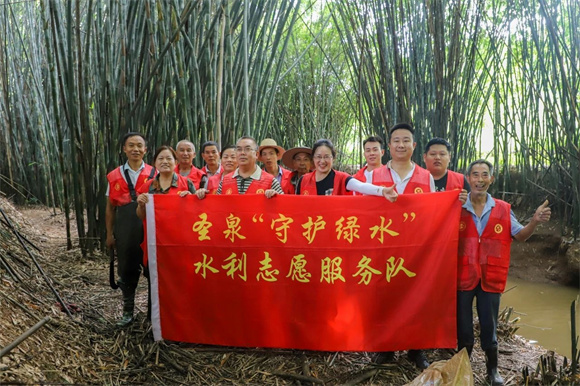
(233,147)
(250,138)
(160,149)
(374,138)
(438,141)
(185,141)
(209,143)
(132,134)
(403,126)
(479,162)
(324,142)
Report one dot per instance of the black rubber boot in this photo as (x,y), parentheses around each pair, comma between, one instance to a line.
(385,357)
(418,358)
(468,347)
(491,364)
(128,305)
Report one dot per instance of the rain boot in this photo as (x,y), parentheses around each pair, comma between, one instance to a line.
(468,347)
(491,364)
(128,306)
(418,358)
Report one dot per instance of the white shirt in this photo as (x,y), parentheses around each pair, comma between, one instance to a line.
(401,183)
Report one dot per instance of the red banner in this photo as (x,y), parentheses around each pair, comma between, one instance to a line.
(332,273)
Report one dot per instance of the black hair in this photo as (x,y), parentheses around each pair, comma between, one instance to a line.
(209,143)
(132,134)
(479,162)
(226,148)
(438,141)
(324,142)
(404,126)
(160,149)
(374,138)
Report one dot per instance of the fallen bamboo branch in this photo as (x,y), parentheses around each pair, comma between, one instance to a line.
(299,377)
(362,377)
(22,337)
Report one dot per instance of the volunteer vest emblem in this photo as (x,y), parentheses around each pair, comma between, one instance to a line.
(229,191)
(418,190)
(146,179)
(305,193)
(260,191)
(462,226)
(498,228)
(117,187)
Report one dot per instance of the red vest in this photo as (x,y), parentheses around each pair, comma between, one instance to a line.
(420,181)
(454,181)
(378,178)
(194,175)
(360,175)
(213,183)
(308,184)
(485,258)
(119,194)
(230,184)
(181,186)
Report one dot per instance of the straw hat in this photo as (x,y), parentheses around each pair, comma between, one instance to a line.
(269,143)
(288,157)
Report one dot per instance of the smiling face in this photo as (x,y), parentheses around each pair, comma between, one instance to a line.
(165,162)
(437,160)
(373,153)
(246,153)
(401,145)
(323,159)
(302,163)
(134,148)
(229,162)
(211,156)
(480,178)
(269,157)
(185,153)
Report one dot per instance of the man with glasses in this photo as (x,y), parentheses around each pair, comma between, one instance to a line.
(248,178)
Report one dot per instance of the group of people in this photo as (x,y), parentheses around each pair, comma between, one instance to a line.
(486,230)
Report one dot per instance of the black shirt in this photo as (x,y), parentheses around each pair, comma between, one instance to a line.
(441,183)
(325,186)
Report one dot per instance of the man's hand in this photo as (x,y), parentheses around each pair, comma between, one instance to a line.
(543,213)
(463,196)
(390,193)
(110,241)
(200,193)
(269,193)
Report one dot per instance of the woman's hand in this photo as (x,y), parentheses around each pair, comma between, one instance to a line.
(184,193)
(142,200)
(269,193)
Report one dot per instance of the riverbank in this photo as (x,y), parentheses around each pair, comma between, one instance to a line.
(88,348)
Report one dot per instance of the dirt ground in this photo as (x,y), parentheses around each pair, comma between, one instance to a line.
(89,348)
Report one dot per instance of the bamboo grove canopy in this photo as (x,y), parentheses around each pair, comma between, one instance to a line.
(76,75)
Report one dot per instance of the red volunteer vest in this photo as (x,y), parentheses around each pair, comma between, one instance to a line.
(454,181)
(420,181)
(378,179)
(213,183)
(485,258)
(181,186)
(308,184)
(285,182)
(119,190)
(230,184)
(194,175)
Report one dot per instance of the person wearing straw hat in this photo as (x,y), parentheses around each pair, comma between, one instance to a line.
(185,155)
(269,153)
(299,160)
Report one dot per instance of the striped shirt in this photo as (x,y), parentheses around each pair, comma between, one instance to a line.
(244,183)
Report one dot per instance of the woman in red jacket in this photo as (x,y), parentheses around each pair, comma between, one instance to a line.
(166,181)
(325,181)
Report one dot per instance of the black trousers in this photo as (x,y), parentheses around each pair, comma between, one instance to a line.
(128,234)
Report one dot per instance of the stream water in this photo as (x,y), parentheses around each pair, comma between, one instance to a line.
(544,310)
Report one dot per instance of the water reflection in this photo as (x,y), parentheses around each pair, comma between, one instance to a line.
(546,310)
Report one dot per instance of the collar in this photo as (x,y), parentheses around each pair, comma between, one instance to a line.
(127,167)
(255,176)
(173,180)
(489,204)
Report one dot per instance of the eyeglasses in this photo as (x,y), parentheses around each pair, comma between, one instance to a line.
(319,157)
(244,150)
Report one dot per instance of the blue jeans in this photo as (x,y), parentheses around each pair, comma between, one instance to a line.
(487,311)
